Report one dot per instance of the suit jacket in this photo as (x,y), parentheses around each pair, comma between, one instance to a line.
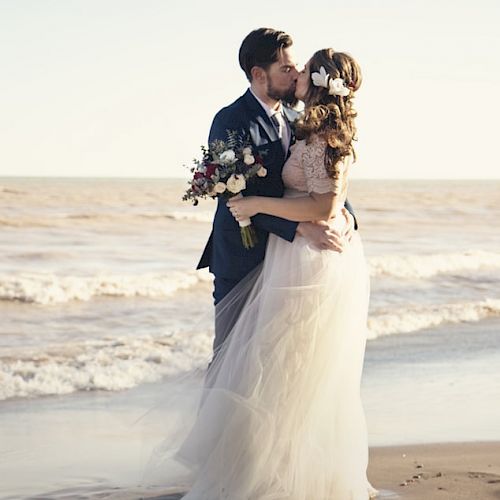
(224,254)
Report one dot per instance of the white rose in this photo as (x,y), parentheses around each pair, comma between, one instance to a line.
(337,87)
(236,183)
(249,159)
(262,172)
(247,151)
(220,187)
(228,157)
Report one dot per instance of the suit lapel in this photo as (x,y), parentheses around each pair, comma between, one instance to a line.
(268,127)
(262,120)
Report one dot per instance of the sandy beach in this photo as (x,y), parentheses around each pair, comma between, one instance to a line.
(451,471)
(438,471)
(448,471)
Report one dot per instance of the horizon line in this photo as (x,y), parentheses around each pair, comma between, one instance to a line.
(114,177)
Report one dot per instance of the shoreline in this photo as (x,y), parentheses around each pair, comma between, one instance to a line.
(433,471)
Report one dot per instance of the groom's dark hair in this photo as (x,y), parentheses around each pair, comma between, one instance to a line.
(261,48)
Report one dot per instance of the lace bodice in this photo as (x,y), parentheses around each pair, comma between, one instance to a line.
(305,171)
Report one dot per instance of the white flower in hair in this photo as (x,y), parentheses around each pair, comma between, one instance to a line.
(337,87)
(320,79)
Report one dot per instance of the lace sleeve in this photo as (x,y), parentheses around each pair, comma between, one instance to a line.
(317,179)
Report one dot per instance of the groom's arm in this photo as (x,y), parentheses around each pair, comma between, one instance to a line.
(283,228)
(349,208)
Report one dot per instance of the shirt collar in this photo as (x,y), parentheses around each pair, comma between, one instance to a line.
(269,111)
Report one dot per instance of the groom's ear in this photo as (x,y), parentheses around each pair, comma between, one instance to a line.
(258,74)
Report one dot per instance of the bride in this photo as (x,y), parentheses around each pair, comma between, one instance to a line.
(280,417)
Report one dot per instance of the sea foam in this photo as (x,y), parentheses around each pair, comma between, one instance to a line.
(46,289)
(426,266)
(109,364)
(122,362)
(414,318)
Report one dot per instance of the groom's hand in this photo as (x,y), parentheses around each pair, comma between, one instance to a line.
(321,236)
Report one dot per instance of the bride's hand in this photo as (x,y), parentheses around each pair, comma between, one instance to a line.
(243,208)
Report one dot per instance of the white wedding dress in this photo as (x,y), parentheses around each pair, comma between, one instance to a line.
(281,417)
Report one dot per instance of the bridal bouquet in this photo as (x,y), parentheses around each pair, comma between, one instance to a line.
(224,170)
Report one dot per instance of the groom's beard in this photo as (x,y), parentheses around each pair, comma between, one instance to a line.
(287,96)
(292,101)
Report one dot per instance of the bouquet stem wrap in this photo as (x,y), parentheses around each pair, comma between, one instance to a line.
(248,235)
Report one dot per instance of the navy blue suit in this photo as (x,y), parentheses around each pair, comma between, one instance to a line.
(224,254)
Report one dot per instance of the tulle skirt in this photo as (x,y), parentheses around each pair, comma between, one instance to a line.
(278,414)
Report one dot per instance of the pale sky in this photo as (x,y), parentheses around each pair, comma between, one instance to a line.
(129,88)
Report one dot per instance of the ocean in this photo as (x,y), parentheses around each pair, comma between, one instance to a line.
(100,300)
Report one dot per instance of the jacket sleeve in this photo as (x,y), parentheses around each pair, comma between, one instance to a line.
(226,119)
(283,228)
(351,211)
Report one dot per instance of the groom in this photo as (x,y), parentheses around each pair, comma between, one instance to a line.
(267,60)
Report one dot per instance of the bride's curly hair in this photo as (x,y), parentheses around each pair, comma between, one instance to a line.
(331,116)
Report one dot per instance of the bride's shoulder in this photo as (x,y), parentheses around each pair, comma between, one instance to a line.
(311,141)
(313,150)
(315,141)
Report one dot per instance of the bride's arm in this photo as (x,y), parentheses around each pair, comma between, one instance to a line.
(315,206)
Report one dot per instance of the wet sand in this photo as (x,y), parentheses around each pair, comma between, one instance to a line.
(451,471)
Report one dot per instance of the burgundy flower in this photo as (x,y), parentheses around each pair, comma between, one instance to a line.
(211,168)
